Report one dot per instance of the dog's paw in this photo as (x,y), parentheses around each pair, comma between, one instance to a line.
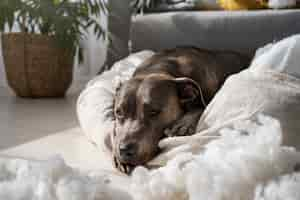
(181,128)
(185,126)
(125,168)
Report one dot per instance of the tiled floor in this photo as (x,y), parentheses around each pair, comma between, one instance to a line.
(25,120)
(39,129)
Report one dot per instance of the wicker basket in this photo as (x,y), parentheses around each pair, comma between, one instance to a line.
(35,68)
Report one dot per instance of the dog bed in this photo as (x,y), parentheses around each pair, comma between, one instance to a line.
(269,85)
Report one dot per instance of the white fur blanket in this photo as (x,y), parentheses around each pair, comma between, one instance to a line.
(247,162)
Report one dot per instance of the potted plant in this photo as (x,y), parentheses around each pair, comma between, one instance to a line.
(39,57)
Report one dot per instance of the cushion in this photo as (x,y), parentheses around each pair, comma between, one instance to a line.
(239,31)
(241,5)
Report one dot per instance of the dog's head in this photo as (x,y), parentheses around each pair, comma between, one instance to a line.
(144,108)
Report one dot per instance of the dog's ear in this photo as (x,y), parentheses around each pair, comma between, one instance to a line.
(189,91)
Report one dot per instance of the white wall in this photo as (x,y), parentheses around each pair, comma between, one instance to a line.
(94,55)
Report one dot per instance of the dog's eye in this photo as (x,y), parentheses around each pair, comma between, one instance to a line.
(154,113)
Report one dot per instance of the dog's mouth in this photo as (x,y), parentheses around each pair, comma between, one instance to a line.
(141,156)
(129,160)
(139,159)
(128,164)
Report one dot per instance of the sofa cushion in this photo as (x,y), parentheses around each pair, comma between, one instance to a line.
(240,31)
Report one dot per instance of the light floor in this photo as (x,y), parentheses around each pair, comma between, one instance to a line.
(39,129)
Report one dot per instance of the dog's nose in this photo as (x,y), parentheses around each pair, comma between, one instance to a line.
(128,150)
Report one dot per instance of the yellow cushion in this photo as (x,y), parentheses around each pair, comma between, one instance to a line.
(242,4)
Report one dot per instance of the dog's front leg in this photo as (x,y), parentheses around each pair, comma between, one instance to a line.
(186,125)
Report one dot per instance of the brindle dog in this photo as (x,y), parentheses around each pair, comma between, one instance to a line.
(165,97)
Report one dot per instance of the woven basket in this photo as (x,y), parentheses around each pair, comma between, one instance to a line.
(35,68)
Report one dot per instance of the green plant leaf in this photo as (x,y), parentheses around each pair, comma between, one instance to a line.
(67,21)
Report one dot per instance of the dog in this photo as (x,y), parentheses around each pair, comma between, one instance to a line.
(165,97)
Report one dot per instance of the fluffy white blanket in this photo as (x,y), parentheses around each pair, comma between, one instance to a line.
(246,162)
(53,180)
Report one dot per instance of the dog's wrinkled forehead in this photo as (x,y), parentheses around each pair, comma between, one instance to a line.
(128,88)
(146,90)
(126,93)
(154,90)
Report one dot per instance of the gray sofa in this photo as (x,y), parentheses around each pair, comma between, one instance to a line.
(242,31)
